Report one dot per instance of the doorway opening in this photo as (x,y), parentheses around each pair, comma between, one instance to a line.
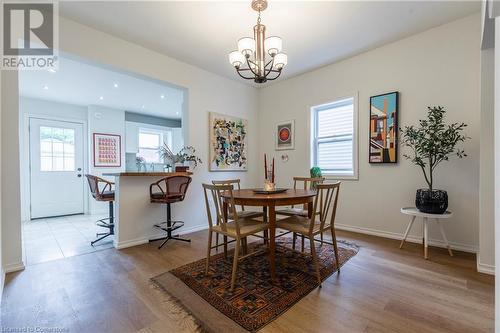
(62,114)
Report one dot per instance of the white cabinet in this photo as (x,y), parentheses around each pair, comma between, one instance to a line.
(131,137)
(177,140)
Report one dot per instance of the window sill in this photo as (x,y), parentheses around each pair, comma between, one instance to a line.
(339,177)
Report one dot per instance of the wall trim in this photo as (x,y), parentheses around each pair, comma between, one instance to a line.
(9,268)
(412,239)
(2,283)
(144,240)
(485,268)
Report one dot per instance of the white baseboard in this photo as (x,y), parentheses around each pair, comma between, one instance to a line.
(485,268)
(393,235)
(9,268)
(130,243)
(144,240)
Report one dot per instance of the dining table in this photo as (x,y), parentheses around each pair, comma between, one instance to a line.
(269,202)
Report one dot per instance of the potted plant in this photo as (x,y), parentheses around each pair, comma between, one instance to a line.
(433,142)
(185,155)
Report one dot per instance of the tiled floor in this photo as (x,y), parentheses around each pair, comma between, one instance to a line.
(61,237)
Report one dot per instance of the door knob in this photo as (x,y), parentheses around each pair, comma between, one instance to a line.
(79,169)
(79,175)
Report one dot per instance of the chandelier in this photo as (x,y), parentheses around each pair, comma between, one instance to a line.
(250,59)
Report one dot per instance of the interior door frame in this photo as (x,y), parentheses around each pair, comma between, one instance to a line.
(25,161)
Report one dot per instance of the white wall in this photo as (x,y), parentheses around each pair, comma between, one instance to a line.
(108,121)
(206,92)
(2,272)
(436,67)
(33,107)
(10,176)
(497,173)
(486,254)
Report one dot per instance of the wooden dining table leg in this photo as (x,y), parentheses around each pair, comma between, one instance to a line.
(226,208)
(272,241)
(266,233)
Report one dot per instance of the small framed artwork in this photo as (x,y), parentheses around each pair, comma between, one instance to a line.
(107,150)
(384,111)
(284,136)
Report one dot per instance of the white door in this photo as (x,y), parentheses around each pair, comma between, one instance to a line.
(56,168)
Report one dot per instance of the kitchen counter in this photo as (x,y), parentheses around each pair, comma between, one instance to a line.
(135,214)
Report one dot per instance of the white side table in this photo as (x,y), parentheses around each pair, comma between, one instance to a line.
(414,213)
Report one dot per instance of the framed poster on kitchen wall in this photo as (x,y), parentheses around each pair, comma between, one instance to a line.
(107,150)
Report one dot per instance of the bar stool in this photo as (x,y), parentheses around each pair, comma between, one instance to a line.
(171,189)
(105,194)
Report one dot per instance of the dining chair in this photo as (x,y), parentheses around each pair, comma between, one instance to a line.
(241,213)
(236,185)
(237,228)
(311,226)
(305,183)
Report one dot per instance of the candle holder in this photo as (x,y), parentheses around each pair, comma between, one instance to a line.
(269,186)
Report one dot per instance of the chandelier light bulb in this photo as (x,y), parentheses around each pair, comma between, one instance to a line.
(280,60)
(236,58)
(273,45)
(246,46)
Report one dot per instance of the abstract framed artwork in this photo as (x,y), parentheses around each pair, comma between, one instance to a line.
(384,111)
(107,150)
(284,135)
(228,143)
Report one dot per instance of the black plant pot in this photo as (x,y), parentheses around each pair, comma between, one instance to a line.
(432,202)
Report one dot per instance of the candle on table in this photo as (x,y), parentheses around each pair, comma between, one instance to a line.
(265,166)
(273,172)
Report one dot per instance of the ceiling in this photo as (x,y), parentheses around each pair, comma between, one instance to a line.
(315,33)
(84,84)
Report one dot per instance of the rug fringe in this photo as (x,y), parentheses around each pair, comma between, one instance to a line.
(178,307)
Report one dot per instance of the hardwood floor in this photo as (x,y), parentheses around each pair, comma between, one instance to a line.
(382,289)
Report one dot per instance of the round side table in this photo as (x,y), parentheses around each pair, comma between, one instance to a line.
(414,213)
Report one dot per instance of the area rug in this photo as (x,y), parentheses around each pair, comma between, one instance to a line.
(255,301)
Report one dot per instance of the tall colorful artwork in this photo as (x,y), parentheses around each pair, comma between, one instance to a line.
(384,128)
(107,150)
(228,143)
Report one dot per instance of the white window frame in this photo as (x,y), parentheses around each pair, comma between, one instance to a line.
(148,130)
(313,109)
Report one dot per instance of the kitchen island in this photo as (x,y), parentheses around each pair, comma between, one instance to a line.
(135,216)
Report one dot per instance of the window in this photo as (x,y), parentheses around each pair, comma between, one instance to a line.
(334,147)
(150,141)
(57,149)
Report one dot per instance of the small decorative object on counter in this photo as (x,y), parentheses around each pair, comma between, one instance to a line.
(185,155)
(139,162)
(432,143)
(315,172)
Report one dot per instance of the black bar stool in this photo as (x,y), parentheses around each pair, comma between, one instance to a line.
(105,194)
(169,190)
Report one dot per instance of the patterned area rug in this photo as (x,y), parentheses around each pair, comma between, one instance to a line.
(256,301)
